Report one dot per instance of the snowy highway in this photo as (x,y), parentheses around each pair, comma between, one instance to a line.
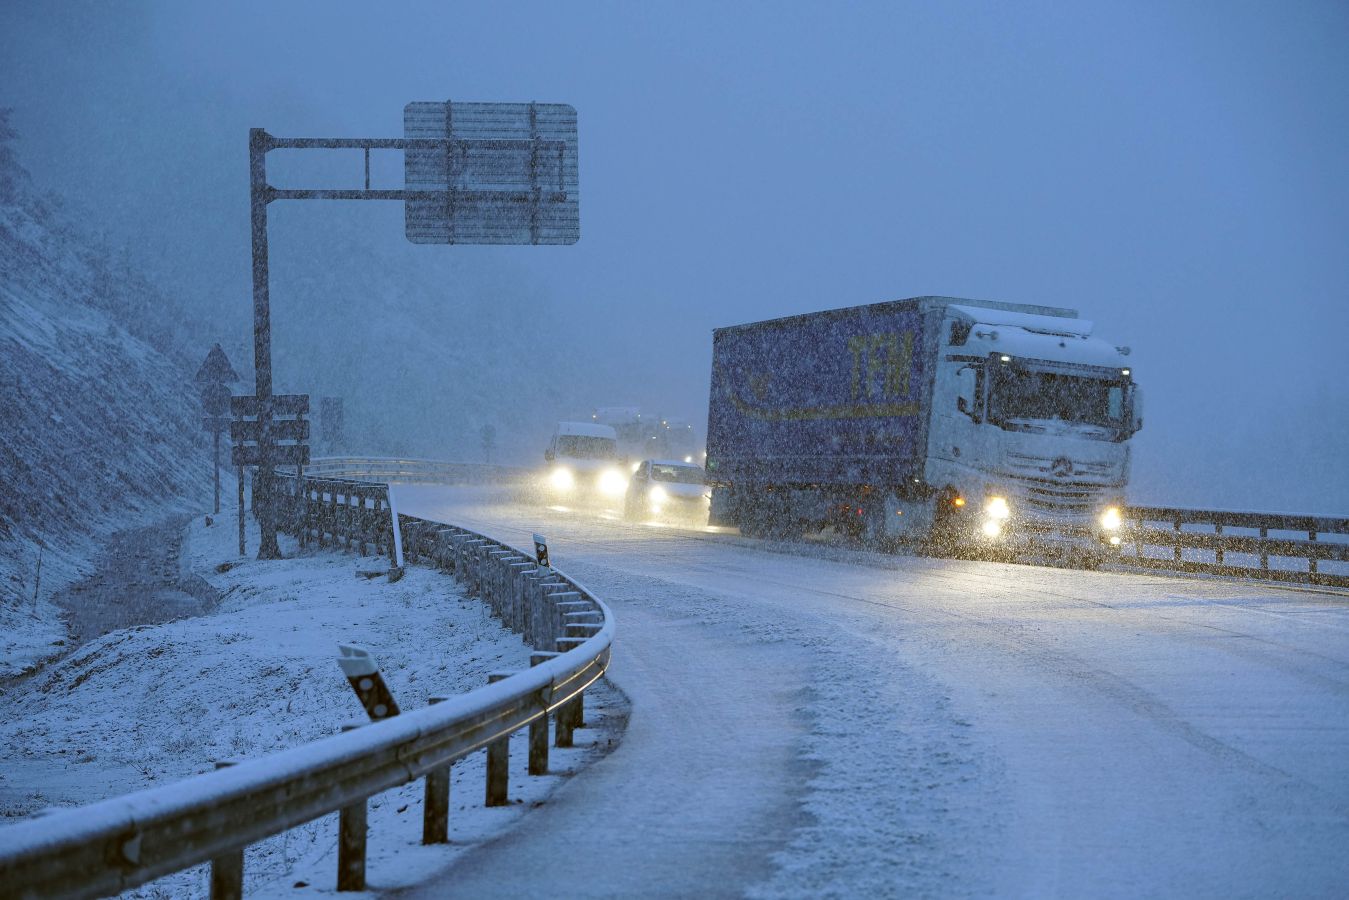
(835,722)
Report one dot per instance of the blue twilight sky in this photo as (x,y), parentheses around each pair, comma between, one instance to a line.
(1179,172)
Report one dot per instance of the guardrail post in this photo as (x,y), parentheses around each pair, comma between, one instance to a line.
(573,711)
(1177,542)
(498,759)
(227,870)
(562,726)
(1218,551)
(436,803)
(351,835)
(552,612)
(499,560)
(538,601)
(538,729)
(1311,560)
(1264,553)
(515,585)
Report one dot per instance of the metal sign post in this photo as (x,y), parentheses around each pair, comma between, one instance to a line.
(215,373)
(474,173)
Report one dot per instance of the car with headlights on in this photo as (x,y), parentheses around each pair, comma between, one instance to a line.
(584,465)
(667,490)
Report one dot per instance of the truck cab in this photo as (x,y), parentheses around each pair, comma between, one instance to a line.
(1029,438)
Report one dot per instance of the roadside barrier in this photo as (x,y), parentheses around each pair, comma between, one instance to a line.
(414,470)
(122,842)
(1299,549)
(1271,546)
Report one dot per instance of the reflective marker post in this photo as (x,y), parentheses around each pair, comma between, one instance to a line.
(363,674)
(397,571)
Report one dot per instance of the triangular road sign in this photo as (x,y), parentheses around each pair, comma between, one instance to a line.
(217,368)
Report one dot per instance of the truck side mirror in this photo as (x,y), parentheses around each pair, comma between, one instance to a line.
(965,385)
(1137,409)
(548,454)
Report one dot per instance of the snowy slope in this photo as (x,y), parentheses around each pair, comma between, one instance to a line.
(99,421)
(150,705)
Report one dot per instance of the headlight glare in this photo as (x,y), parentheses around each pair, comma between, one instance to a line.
(562,479)
(996,508)
(1111,519)
(612,483)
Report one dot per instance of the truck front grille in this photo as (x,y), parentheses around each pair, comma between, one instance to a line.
(1025,465)
(1061,499)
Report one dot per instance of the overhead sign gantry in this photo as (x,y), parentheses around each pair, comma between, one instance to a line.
(474,173)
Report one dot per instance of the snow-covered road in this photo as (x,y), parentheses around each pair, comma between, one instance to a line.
(847,723)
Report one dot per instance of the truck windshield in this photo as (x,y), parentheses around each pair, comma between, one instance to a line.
(580,446)
(676,474)
(1026,394)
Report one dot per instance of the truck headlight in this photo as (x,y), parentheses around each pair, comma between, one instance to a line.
(562,479)
(612,483)
(657,495)
(1111,519)
(996,508)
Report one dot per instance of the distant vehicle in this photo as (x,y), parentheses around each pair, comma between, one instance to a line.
(634,431)
(647,436)
(962,424)
(583,463)
(675,439)
(668,490)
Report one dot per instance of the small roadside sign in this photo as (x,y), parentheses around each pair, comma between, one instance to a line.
(217,369)
(215,399)
(281,404)
(541,550)
(244,431)
(281,455)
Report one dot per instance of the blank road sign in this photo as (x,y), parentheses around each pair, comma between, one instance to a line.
(500,173)
(282,405)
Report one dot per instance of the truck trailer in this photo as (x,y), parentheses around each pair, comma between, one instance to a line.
(960,425)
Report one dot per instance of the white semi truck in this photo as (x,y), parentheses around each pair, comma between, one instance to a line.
(963,424)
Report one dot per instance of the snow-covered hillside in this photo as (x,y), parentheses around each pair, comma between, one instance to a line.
(99,419)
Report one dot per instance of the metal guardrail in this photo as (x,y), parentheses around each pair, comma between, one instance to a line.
(1268,546)
(122,842)
(425,470)
(1293,553)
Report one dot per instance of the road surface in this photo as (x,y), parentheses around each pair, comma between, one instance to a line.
(826,722)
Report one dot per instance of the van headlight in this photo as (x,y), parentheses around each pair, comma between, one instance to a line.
(562,479)
(1111,520)
(612,483)
(996,508)
(658,495)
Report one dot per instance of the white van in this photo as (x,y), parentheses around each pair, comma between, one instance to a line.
(583,463)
